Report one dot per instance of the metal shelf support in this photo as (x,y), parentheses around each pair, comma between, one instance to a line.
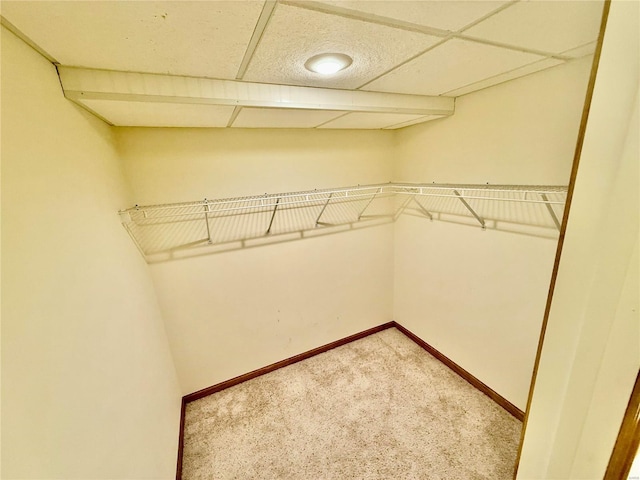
(550,209)
(422,209)
(369,202)
(323,209)
(473,212)
(400,211)
(206,219)
(273,215)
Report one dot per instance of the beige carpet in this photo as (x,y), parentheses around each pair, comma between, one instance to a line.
(377,408)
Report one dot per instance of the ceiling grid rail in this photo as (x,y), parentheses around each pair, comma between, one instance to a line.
(267,11)
(261,25)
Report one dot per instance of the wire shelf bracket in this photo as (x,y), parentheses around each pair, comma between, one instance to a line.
(473,212)
(373,197)
(273,215)
(324,207)
(206,219)
(402,208)
(428,214)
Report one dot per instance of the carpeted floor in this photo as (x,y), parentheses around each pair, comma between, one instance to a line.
(377,408)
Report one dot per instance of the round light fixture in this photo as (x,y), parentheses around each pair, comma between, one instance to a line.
(328,63)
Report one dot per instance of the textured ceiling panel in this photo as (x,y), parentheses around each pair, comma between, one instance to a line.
(451,65)
(182,38)
(295,34)
(282,118)
(518,72)
(143,114)
(550,26)
(451,15)
(370,120)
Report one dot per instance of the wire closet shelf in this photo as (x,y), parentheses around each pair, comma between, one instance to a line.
(167,228)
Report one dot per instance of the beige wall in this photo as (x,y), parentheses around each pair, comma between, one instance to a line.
(233,312)
(591,351)
(518,132)
(89,389)
(166,165)
(479,296)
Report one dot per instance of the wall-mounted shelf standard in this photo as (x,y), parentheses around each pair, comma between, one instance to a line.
(168,231)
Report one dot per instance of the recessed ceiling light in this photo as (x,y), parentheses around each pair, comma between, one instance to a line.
(328,63)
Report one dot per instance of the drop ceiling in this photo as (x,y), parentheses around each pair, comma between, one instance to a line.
(241,63)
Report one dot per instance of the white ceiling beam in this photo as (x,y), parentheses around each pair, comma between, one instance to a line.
(88,84)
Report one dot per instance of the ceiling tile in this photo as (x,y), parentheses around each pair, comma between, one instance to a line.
(296,34)
(452,65)
(143,114)
(205,39)
(503,77)
(442,15)
(366,120)
(282,118)
(549,26)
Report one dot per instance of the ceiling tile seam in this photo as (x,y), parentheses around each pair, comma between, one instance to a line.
(504,73)
(487,16)
(404,62)
(234,115)
(367,17)
(261,25)
(331,120)
(506,46)
(25,38)
(575,48)
(592,42)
